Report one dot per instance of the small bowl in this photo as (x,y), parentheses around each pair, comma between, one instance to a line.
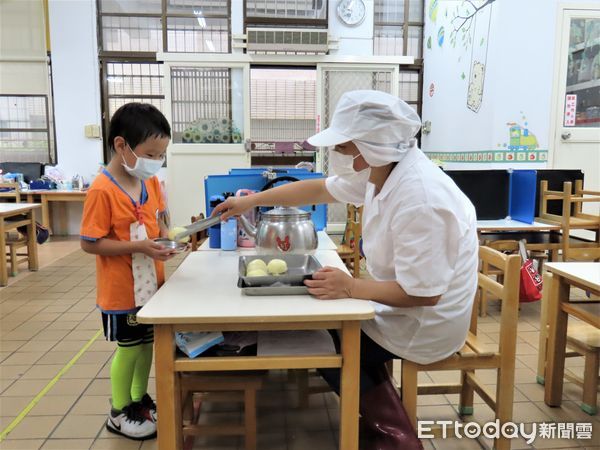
(176,247)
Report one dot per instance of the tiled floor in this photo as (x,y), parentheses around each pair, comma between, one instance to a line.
(48,317)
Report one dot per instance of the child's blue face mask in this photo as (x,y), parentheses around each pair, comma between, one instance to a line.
(144,168)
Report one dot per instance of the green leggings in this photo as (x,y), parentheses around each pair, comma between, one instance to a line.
(129,373)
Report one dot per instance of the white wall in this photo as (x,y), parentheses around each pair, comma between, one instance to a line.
(517,89)
(76,82)
(355,40)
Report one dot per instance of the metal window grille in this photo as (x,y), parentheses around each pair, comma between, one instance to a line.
(286,12)
(26,132)
(202,106)
(132,82)
(282,105)
(398,27)
(176,26)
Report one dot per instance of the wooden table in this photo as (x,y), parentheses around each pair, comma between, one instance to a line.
(509,225)
(16,211)
(202,296)
(585,275)
(324,243)
(53,195)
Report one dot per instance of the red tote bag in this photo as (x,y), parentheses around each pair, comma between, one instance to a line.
(530,289)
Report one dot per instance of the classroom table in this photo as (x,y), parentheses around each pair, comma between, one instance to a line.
(510,225)
(13,215)
(53,195)
(324,243)
(585,275)
(202,295)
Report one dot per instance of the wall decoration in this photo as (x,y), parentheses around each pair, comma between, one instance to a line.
(431,89)
(520,139)
(490,156)
(433,10)
(474,112)
(441,36)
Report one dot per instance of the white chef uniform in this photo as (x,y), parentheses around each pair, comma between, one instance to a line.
(419,231)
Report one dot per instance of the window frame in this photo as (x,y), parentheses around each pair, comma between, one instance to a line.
(106,57)
(49,130)
(283,22)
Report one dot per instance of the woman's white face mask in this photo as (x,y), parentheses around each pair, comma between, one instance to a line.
(144,168)
(342,165)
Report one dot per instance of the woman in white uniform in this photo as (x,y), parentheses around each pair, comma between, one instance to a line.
(419,240)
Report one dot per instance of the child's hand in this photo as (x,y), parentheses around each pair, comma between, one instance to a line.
(154,250)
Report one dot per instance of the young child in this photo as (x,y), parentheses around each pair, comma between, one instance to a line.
(123,212)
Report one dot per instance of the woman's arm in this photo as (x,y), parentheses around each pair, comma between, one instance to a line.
(306,192)
(331,283)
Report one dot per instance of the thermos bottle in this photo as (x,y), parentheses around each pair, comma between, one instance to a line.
(229,234)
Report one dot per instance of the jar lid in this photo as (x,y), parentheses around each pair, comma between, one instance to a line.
(282,212)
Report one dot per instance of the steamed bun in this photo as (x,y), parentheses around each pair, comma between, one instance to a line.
(257,264)
(277,266)
(175,231)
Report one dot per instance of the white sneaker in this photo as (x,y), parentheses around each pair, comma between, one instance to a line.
(131,423)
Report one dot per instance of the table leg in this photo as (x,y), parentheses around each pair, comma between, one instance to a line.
(32,254)
(3,267)
(45,212)
(557,340)
(30,200)
(168,397)
(349,392)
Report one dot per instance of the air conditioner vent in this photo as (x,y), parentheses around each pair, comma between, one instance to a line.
(292,40)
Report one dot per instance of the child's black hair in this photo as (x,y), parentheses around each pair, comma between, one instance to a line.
(136,122)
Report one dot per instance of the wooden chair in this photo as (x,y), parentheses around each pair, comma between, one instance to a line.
(583,340)
(198,238)
(473,357)
(240,387)
(509,247)
(349,250)
(14,191)
(572,217)
(14,242)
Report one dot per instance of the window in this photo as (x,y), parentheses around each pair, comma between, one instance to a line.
(26,129)
(205,109)
(311,13)
(398,28)
(133,31)
(283,105)
(172,26)
(26,106)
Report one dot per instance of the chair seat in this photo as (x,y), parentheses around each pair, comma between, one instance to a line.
(345,250)
(584,334)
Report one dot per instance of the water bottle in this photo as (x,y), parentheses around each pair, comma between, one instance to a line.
(214,232)
(229,234)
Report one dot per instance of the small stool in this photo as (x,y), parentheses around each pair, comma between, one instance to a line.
(15,258)
(221,387)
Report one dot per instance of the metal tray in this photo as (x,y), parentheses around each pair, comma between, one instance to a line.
(300,268)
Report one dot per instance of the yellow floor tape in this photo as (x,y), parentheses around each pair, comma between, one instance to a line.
(44,391)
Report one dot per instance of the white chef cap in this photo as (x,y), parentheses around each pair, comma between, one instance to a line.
(382,126)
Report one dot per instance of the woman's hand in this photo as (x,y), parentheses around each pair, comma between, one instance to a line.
(233,206)
(154,250)
(330,283)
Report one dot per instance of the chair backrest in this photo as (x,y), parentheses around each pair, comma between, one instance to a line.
(10,190)
(353,225)
(198,238)
(508,269)
(573,217)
